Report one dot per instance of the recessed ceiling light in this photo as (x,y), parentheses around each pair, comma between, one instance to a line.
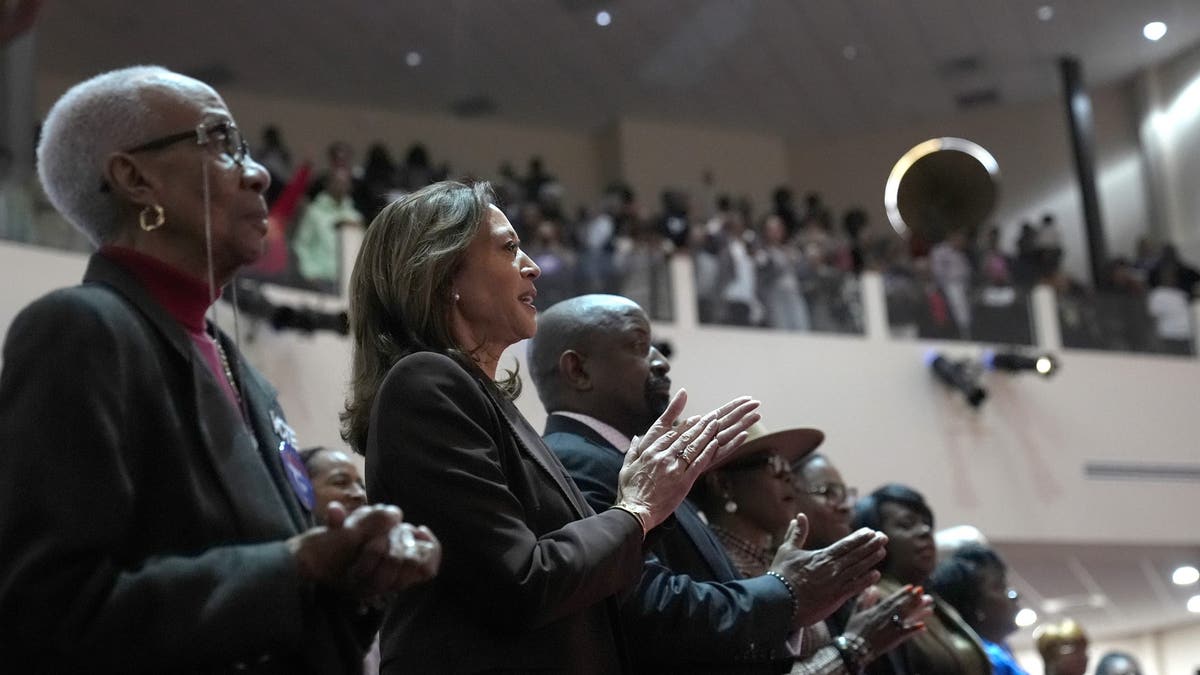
(850,52)
(1026,617)
(413,59)
(1154,31)
(1045,13)
(603,18)
(1185,576)
(1194,604)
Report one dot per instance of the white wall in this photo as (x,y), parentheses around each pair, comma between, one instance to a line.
(655,156)
(1031,145)
(470,146)
(1170,98)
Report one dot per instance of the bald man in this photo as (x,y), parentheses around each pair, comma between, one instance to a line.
(602,380)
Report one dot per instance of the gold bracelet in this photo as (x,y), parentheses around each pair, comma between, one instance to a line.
(636,516)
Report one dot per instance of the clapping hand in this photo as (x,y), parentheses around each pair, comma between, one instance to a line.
(661,465)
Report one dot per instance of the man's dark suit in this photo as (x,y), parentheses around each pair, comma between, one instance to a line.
(691,610)
(142,523)
(529,574)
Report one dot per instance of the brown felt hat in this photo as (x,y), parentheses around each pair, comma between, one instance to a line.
(789,444)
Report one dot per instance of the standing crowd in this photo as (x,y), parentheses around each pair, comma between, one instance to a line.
(158,515)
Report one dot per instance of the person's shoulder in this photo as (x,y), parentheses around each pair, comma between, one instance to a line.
(424,371)
(74,308)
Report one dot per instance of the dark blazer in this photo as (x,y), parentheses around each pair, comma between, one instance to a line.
(529,571)
(689,589)
(142,522)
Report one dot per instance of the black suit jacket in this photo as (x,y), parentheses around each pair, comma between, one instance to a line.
(529,571)
(691,610)
(142,522)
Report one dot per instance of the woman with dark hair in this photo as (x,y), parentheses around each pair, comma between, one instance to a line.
(1118,663)
(948,646)
(974,581)
(530,573)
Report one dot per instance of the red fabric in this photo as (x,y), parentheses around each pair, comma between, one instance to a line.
(184,297)
(274,260)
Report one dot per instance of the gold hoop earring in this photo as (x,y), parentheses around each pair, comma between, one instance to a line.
(160,218)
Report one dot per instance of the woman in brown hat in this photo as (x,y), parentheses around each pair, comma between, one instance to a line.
(748,498)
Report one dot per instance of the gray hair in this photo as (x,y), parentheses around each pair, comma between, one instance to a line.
(94,119)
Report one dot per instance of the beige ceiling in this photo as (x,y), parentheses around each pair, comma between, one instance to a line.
(1112,591)
(773,65)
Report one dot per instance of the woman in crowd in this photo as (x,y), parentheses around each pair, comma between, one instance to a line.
(530,575)
(1118,663)
(154,513)
(749,500)
(974,581)
(948,646)
(335,478)
(1063,647)
(861,631)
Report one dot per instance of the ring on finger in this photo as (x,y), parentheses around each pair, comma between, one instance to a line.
(897,621)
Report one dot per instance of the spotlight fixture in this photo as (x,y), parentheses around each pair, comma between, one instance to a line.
(1045,13)
(1185,576)
(1014,362)
(1026,617)
(1193,605)
(603,18)
(413,59)
(960,375)
(1154,31)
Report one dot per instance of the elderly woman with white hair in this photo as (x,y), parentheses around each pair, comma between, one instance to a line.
(154,513)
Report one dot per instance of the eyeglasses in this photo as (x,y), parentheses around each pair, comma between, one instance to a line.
(835,493)
(224,136)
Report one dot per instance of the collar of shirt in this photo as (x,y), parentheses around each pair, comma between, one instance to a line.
(607,431)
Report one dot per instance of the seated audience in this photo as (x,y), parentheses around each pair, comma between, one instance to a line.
(154,513)
(948,644)
(1063,647)
(531,574)
(974,581)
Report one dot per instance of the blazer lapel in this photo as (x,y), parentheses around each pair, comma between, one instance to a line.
(265,419)
(531,443)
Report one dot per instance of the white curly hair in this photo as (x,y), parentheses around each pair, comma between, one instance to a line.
(95,118)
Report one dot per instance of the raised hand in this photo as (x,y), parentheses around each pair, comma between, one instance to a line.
(887,623)
(661,466)
(823,580)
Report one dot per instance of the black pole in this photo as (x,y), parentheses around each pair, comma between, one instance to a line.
(1079,120)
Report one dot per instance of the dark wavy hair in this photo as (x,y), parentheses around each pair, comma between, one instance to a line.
(959,579)
(868,510)
(400,291)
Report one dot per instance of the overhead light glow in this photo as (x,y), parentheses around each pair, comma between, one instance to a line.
(1186,576)
(413,59)
(1045,13)
(1026,617)
(1154,31)
(1194,604)
(603,18)
(850,52)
